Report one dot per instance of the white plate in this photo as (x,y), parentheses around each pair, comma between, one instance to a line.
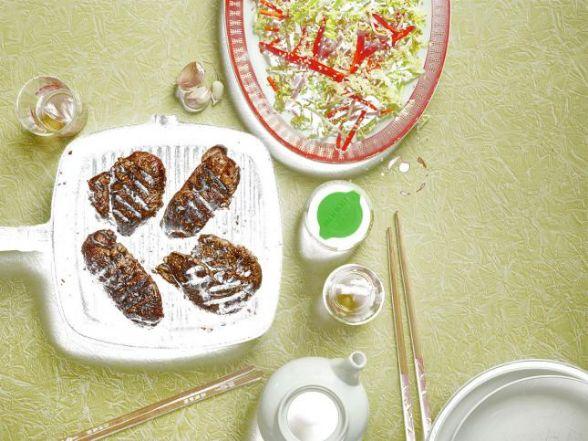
(536,408)
(245,69)
(83,320)
(484,384)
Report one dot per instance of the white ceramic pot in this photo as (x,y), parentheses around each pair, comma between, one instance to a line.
(315,399)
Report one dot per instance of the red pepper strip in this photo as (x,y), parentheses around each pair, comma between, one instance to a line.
(319,37)
(396,34)
(271,6)
(270,13)
(351,134)
(357,55)
(271,29)
(361,53)
(311,63)
(299,44)
(363,101)
(331,113)
(357,98)
(272,83)
(382,21)
(401,34)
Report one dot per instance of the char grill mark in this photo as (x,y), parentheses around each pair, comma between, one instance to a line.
(136,190)
(217,276)
(210,187)
(123,277)
(132,191)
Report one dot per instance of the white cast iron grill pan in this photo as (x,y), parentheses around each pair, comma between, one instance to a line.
(83,321)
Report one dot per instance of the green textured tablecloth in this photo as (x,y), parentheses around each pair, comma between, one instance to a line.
(497,238)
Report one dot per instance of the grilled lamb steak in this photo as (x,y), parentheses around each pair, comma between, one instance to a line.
(132,191)
(124,279)
(218,276)
(210,186)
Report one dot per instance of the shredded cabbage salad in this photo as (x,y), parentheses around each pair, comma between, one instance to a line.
(338,67)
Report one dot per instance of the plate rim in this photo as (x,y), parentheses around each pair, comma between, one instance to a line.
(463,391)
(513,383)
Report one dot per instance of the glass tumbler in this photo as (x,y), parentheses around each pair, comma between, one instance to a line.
(353,294)
(46,106)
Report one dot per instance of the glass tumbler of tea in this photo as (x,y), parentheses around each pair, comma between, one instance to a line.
(46,106)
(353,294)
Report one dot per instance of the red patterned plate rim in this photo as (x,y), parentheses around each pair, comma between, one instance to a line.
(317,150)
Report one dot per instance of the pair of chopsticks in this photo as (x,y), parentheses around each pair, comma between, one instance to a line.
(243,377)
(397,259)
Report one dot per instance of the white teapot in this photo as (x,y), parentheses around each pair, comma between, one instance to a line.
(315,399)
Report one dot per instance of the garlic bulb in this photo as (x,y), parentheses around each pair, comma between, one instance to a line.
(196,99)
(217,90)
(192,75)
(192,89)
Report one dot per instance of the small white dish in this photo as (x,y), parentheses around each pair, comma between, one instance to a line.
(543,407)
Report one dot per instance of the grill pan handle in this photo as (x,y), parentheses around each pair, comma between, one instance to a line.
(27,238)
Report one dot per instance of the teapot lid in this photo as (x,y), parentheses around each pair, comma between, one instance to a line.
(312,413)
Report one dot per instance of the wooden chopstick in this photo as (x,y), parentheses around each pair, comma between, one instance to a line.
(243,377)
(419,364)
(400,345)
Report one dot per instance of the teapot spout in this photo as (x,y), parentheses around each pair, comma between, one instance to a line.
(348,369)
